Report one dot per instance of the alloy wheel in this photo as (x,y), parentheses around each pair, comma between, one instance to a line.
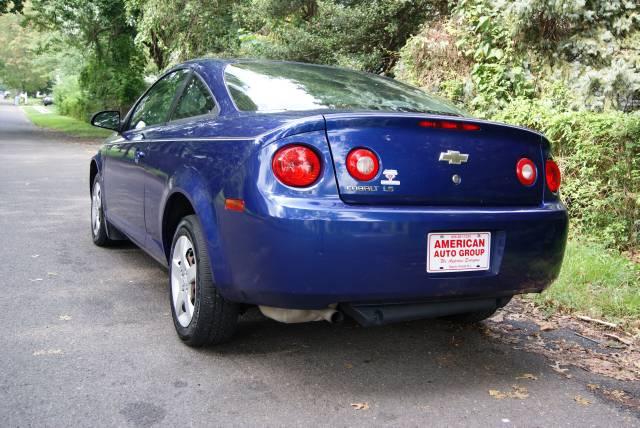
(183,280)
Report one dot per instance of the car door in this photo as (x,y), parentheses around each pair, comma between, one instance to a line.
(194,110)
(124,169)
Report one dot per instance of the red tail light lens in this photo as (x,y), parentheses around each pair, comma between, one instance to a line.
(526,172)
(446,124)
(296,165)
(552,173)
(362,164)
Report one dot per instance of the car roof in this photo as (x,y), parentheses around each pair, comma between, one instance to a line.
(220,63)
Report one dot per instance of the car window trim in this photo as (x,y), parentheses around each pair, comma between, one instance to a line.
(216,111)
(130,114)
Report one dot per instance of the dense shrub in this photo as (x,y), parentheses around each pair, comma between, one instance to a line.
(568,69)
(70,100)
(599,154)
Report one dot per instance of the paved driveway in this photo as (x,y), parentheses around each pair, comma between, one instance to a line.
(87,337)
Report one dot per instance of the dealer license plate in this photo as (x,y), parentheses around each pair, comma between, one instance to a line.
(459,252)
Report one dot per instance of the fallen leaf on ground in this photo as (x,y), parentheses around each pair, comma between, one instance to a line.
(64,317)
(527,376)
(592,386)
(348,365)
(616,394)
(498,395)
(581,400)
(47,352)
(36,279)
(34,256)
(556,367)
(598,364)
(519,392)
(360,406)
(52,274)
(499,317)
(546,326)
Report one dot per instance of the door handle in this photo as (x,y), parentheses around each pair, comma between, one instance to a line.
(139,155)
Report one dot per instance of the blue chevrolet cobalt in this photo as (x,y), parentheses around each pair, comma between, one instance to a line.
(316,193)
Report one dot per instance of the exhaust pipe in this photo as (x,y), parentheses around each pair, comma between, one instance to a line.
(291,316)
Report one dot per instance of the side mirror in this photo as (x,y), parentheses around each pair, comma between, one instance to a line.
(109,119)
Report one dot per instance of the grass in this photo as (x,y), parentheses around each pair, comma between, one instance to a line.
(66,124)
(595,282)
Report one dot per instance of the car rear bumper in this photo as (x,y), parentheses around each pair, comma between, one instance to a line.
(309,254)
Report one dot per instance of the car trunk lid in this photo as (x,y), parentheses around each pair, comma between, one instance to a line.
(432,160)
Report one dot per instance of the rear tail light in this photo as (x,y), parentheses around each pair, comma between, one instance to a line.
(447,124)
(526,172)
(362,164)
(296,165)
(553,176)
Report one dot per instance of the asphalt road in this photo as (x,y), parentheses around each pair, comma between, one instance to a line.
(87,337)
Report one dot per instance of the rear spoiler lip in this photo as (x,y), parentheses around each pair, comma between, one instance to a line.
(330,117)
(465,119)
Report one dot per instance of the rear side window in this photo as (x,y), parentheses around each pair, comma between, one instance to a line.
(195,101)
(154,107)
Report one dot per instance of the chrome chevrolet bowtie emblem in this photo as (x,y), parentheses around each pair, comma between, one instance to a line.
(454,157)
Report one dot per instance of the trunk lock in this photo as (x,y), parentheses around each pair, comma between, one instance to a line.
(456,179)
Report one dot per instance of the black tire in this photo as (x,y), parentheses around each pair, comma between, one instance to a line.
(471,317)
(99,232)
(477,316)
(214,318)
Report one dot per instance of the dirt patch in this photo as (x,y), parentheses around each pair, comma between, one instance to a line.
(567,341)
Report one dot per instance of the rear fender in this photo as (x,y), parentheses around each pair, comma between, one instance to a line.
(194,187)
(267,203)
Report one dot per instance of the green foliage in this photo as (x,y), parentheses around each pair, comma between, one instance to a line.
(20,66)
(364,35)
(112,66)
(516,49)
(500,71)
(11,6)
(551,65)
(592,45)
(595,282)
(432,60)
(174,31)
(599,154)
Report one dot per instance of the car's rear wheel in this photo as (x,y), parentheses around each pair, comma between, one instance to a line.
(98,222)
(477,316)
(201,315)
(471,317)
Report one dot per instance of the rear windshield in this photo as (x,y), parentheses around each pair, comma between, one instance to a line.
(271,87)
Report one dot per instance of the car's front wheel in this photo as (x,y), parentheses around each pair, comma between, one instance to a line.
(98,222)
(201,315)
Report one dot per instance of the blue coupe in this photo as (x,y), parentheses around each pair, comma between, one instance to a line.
(316,192)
